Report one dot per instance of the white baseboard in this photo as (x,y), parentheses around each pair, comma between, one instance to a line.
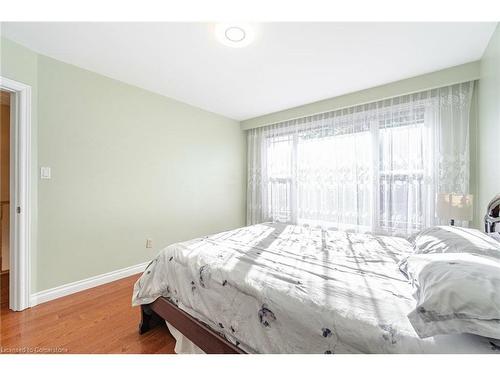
(78,286)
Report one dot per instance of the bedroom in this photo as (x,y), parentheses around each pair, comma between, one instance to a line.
(251,187)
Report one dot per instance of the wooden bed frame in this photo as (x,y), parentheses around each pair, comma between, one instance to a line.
(208,340)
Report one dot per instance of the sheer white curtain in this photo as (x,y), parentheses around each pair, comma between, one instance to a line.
(375,167)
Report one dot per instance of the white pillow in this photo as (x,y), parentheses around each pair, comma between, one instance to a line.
(451,239)
(455,293)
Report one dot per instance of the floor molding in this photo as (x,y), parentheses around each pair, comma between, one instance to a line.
(91,282)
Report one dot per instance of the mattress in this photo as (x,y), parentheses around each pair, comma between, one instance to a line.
(277,288)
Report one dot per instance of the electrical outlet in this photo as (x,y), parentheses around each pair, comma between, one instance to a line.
(149,243)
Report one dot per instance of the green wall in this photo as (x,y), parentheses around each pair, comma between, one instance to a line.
(127,165)
(489,125)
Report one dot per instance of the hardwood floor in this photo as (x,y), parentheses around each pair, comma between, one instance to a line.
(97,320)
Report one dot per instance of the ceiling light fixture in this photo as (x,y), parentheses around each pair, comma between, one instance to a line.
(234,35)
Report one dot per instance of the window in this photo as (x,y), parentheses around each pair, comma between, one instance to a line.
(320,178)
(401,177)
(375,167)
(279,160)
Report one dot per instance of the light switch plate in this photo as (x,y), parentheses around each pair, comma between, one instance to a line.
(45,173)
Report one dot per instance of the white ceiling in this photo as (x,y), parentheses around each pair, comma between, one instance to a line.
(288,64)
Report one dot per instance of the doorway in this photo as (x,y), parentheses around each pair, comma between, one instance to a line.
(16,205)
(5,126)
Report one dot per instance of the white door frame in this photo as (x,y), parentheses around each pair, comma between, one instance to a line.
(20,194)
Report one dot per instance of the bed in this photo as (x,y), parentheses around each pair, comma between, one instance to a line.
(277,288)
